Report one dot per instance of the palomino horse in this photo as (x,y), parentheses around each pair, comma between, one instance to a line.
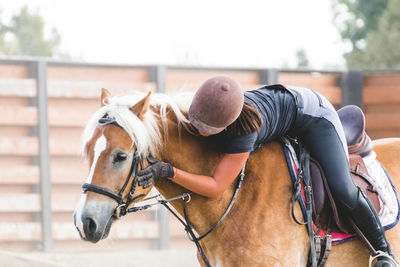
(258,231)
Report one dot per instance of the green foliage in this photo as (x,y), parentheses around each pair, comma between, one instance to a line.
(361,18)
(302,60)
(372,28)
(381,46)
(24,35)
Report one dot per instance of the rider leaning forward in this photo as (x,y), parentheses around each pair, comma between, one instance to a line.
(247,120)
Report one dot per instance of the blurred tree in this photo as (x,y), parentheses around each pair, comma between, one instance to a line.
(361,17)
(356,20)
(302,60)
(24,35)
(381,46)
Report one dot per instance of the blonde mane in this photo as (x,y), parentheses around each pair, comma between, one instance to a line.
(145,134)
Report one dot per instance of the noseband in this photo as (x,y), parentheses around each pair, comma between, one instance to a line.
(121,209)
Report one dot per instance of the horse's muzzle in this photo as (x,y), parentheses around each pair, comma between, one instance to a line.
(94,221)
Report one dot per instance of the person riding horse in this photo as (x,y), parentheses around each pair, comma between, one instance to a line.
(243,121)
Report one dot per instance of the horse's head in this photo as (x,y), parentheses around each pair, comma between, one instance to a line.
(114,153)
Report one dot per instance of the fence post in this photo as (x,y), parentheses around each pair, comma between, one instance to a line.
(163,222)
(44,155)
(268,76)
(157,74)
(351,84)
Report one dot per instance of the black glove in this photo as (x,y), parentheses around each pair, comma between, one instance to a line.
(154,172)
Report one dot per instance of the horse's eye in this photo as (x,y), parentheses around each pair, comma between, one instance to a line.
(120,157)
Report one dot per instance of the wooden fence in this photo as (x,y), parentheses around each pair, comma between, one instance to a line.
(44,106)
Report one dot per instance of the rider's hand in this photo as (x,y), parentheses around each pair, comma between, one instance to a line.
(154,172)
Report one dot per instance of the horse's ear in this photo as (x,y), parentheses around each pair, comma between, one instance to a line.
(141,107)
(105,97)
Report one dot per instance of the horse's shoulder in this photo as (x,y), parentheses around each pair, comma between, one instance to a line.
(269,155)
(268,150)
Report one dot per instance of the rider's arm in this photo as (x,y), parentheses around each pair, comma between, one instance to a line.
(213,186)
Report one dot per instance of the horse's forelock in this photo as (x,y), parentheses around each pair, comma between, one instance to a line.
(145,134)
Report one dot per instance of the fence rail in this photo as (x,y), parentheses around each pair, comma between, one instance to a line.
(45,104)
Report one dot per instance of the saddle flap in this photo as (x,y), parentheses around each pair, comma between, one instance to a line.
(325,204)
(317,187)
(360,175)
(328,210)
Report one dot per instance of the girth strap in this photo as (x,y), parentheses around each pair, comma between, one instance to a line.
(304,175)
(319,248)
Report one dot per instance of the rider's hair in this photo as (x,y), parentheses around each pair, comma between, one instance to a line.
(249,121)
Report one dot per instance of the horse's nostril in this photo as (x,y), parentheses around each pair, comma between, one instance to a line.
(89,226)
(92,225)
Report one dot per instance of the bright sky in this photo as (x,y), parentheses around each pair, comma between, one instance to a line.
(251,33)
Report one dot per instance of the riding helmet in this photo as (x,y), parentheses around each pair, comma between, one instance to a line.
(216,104)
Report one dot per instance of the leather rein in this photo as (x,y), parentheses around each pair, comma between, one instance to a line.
(122,208)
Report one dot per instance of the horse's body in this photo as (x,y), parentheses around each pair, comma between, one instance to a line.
(259,230)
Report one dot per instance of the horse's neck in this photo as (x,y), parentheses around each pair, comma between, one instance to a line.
(260,213)
(259,226)
(199,155)
(195,155)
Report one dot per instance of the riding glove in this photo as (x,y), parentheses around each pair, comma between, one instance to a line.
(157,170)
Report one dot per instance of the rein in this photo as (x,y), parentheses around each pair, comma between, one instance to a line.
(122,208)
(186,222)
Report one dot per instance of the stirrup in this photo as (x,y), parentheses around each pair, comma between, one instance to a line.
(383,254)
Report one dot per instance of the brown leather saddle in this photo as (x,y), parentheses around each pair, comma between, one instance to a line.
(325,212)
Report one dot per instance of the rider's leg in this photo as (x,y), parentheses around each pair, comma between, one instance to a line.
(325,145)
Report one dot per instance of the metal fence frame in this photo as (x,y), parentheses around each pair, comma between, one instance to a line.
(351,83)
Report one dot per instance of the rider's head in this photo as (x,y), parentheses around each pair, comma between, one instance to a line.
(217,104)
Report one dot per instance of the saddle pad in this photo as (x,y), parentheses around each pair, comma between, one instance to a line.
(383,185)
(389,215)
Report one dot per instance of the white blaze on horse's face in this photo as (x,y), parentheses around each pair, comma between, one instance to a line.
(99,147)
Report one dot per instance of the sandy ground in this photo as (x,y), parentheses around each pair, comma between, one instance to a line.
(183,258)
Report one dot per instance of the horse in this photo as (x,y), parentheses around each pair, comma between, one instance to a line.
(258,231)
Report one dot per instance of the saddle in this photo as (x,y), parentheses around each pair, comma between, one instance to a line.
(359,146)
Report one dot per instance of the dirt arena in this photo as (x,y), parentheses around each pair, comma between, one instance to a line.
(184,258)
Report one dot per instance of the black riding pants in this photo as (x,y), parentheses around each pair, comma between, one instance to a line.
(322,140)
(319,128)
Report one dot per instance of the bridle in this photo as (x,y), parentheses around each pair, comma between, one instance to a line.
(122,208)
